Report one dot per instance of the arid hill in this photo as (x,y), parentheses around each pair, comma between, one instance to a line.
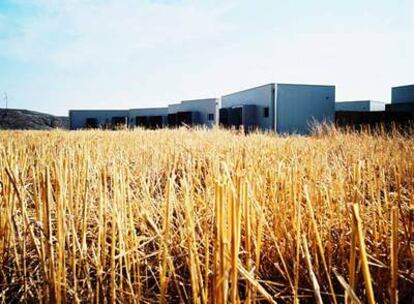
(19,119)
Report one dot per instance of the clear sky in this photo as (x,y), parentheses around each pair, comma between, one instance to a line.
(56,55)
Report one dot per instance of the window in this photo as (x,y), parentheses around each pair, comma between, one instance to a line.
(211,116)
(91,123)
(266,112)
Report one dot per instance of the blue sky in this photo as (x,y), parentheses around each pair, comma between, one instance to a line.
(61,54)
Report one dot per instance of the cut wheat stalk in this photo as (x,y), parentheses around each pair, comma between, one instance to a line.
(315,284)
(363,254)
(208,216)
(394,255)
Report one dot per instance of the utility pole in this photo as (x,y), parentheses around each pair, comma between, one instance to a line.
(6,100)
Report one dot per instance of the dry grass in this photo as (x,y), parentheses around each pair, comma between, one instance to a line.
(206,216)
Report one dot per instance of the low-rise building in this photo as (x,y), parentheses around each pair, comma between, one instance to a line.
(152,118)
(91,119)
(284,108)
(193,112)
(402,99)
(360,106)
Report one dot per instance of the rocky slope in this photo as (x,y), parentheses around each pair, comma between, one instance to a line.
(18,119)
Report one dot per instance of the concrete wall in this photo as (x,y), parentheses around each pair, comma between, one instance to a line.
(262,97)
(77,118)
(174,108)
(292,108)
(298,106)
(402,94)
(360,106)
(376,106)
(133,113)
(204,107)
(285,108)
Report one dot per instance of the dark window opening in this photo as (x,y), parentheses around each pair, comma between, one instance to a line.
(172,120)
(155,122)
(231,117)
(211,116)
(91,123)
(224,117)
(141,121)
(119,121)
(185,118)
(236,117)
(266,112)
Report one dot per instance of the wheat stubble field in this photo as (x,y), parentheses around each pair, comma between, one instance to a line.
(205,216)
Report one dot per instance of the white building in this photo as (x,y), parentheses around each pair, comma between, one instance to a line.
(193,112)
(284,108)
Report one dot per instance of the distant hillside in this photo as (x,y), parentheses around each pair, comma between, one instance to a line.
(17,119)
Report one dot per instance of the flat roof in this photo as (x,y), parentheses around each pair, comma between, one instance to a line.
(306,85)
(355,101)
(404,86)
(198,100)
(275,84)
(154,108)
(98,110)
(256,87)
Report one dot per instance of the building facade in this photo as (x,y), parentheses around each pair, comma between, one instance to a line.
(193,112)
(284,108)
(150,118)
(402,94)
(91,119)
(360,106)
(197,112)
(402,99)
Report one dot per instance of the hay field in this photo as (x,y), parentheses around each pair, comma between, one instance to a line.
(198,216)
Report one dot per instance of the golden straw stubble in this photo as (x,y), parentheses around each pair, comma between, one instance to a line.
(205,216)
